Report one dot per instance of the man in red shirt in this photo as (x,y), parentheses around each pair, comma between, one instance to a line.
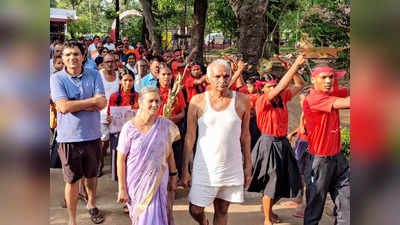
(195,83)
(139,50)
(178,66)
(326,167)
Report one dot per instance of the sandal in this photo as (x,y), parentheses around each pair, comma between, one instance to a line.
(126,210)
(96,216)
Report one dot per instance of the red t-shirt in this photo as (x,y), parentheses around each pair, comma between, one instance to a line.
(125,100)
(322,122)
(270,120)
(176,69)
(137,54)
(179,104)
(253,99)
(192,89)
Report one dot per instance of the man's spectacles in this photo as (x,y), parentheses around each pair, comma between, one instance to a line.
(108,61)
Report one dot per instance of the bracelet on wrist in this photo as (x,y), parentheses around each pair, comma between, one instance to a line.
(173,174)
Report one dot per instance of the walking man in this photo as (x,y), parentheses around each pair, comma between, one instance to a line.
(326,167)
(222,117)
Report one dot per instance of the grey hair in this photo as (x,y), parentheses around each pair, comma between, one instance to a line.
(148,89)
(219,62)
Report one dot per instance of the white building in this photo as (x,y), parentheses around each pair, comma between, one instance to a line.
(59,19)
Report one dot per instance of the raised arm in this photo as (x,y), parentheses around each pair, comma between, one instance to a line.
(237,76)
(200,80)
(284,82)
(299,84)
(194,51)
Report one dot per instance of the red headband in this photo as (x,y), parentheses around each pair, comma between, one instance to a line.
(196,67)
(329,70)
(260,84)
(166,54)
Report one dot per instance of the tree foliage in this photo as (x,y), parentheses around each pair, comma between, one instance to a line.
(222,19)
(101,21)
(328,24)
(325,22)
(53,4)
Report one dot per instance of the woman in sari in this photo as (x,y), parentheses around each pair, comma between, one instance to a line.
(165,84)
(145,164)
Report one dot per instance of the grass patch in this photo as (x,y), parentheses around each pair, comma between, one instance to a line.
(219,51)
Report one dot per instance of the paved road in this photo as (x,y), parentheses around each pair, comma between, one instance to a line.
(248,213)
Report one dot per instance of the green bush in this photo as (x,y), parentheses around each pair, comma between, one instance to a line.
(345,134)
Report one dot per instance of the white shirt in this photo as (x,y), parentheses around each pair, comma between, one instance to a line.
(109,88)
(218,160)
(52,69)
(110,46)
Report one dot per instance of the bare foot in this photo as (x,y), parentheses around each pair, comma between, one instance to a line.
(71,223)
(299,213)
(290,204)
(266,222)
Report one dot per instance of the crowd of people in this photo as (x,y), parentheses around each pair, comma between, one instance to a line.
(224,134)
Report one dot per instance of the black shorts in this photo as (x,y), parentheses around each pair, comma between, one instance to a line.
(79,159)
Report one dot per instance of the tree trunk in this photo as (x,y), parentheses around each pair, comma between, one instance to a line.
(145,32)
(199,24)
(276,39)
(252,28)
(151,25)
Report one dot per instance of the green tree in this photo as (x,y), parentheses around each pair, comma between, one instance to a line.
(328,24)
(222,19)
(131,27)
(100,22)
(53,4)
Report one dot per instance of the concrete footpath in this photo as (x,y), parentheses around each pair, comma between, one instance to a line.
(248,213)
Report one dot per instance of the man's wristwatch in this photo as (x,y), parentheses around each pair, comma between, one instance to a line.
(173,174)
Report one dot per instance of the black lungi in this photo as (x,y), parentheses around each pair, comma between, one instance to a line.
(275,171)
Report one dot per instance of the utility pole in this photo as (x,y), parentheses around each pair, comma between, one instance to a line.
(90,18)
(184,23)
(117,20)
